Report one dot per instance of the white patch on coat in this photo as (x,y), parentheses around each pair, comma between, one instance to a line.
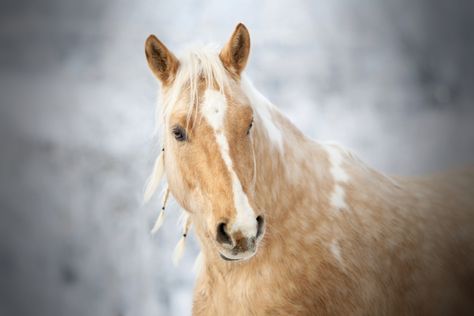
(338,198)
(336,251)
(213,109)
(336,159)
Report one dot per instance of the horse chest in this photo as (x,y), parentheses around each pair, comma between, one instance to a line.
(263,292)
(238,295)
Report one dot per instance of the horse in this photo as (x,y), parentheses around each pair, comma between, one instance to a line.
(292,226)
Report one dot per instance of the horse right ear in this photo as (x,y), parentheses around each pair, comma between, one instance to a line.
(161,61)
(235,53)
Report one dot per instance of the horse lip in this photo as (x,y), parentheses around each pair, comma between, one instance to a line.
(235,259)
(228,259)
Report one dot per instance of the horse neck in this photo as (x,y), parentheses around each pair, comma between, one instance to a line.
(289,171)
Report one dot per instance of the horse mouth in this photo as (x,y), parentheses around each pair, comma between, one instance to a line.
(228,259)
(224,257)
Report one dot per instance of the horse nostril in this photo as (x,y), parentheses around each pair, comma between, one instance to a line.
(222,235)
(260,222)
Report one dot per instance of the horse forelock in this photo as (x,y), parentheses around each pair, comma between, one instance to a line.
(200,69)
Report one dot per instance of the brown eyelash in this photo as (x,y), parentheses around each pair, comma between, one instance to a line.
(250,127)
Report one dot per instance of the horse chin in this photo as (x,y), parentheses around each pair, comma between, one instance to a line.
(233,258)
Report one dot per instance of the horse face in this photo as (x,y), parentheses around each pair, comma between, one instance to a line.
(211,170)
(209,155)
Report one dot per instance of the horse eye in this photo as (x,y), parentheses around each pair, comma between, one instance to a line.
(179,133)
(250,127)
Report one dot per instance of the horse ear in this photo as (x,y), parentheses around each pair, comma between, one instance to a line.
(235,53)
(161,61)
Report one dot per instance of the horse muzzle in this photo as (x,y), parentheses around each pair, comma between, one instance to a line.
(236,246)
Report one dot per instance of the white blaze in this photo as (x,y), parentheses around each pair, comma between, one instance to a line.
(213,109)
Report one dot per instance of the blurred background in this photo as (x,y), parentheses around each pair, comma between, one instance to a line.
(392,80)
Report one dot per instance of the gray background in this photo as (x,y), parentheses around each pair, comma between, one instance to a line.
(392,80)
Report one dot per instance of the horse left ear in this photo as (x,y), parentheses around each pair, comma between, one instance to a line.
(235,53)
(161,61)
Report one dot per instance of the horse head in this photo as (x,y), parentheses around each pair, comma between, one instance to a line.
(209,156)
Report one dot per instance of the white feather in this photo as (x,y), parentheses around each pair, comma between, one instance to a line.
(179,250)
(158,222)
(161,217)
(166,194)
(155,178)
(183,218)
(198,263)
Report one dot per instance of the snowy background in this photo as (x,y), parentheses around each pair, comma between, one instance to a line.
(392,80)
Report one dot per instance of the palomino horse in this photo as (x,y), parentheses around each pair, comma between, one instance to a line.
(291,226)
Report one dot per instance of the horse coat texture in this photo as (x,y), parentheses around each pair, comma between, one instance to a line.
(293,226)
